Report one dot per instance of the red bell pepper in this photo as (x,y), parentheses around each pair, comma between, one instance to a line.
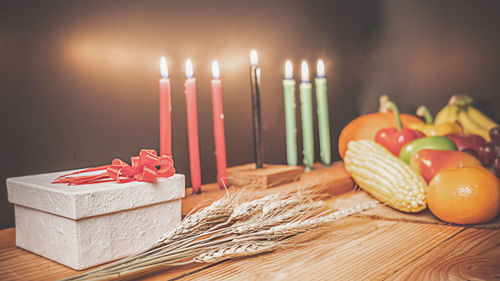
(395,138)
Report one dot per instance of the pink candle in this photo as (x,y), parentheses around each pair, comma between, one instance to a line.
(220,143)
(192,123)
(165,111)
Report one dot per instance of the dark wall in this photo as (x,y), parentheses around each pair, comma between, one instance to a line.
(428,50)
(78,79)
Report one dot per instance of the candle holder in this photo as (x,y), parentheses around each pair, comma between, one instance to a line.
(268,176)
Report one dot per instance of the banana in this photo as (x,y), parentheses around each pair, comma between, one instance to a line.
(449,114)
(480,118)
(443,115)
(473,121)
(472,127)
(454,110)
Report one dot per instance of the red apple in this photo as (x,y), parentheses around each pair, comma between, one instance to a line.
(428,162)
(471,141)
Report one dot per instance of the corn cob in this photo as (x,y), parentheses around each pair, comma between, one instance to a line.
(385,176)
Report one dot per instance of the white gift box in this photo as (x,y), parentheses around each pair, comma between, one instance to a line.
(86,225)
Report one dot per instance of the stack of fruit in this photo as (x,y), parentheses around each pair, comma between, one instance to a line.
(482,135)
(409,164)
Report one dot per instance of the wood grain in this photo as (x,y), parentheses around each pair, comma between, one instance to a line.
(472,254)
(269,176)
(355,249)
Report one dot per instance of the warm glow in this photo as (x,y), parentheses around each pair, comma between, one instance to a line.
(163,67)
(254,59)
(215,70)
(288,70)
(189,68)
(320,69)
(305,71)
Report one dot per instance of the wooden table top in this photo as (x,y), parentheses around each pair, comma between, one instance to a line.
(353,249)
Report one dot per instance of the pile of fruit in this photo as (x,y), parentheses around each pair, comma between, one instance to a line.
(482,135)
(451,164)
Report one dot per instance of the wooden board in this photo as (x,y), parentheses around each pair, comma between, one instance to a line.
(472,254)
(268,176)
(353,249)
(356,249)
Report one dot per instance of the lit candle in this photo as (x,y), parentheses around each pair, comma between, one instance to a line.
(220,143)
(323,118)
(290,120)
(165,110)
(192,124)
(255,87)
(307,118)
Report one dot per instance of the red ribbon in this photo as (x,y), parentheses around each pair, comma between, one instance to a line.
(143,169)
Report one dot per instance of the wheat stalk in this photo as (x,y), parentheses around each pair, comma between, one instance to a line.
(217,212)
(266,221)
(228,229)
(234,251)
(303,225)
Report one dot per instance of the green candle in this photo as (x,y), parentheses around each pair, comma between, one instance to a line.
(323,120)
(291,126)
(307,118)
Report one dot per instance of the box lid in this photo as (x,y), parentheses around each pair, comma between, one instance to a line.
(81,201)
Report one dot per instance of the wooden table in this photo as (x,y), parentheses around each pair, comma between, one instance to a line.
(353,249)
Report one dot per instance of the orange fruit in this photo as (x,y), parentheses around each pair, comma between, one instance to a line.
(367,126)
(466,195)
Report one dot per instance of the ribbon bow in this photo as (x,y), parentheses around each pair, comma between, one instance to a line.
(143,169)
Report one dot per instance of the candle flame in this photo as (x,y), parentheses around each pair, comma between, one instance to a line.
(163,67)
(320,69)
(288,70)
(215,70)
(305,71)
(189,68)
(254,59)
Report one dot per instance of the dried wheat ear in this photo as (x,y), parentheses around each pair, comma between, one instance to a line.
(232,227)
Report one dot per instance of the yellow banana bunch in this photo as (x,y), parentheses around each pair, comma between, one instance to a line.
(448,114)
(473,121)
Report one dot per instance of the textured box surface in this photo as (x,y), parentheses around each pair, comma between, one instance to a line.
(82,201)
(86,225)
